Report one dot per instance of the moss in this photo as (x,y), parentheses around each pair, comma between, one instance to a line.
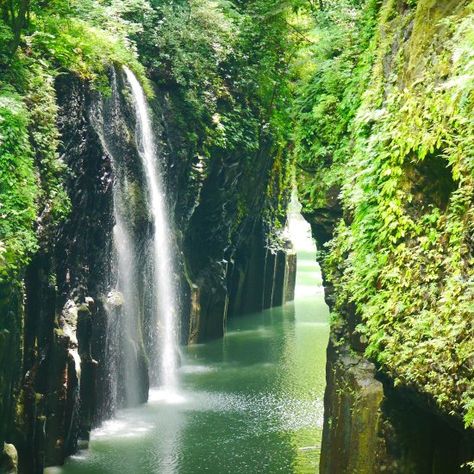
(402,255)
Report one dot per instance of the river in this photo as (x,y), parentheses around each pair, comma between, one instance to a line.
(249,403)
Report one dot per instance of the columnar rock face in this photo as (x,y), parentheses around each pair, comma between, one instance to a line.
(352,417)
(371,428)
(61,384)
(60,351)
(11,315)
(64,286)
(265,279)
(249,283)
(226,225)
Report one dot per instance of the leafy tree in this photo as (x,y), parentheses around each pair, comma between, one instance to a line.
(15,14)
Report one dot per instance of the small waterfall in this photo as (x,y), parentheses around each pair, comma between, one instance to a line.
(164,298)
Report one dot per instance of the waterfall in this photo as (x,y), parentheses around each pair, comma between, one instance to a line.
(127,285)
(124,346)
(164,298)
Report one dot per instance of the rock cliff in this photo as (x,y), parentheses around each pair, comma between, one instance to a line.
(61,363)
(383,150)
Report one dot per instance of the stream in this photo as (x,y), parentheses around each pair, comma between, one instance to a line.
(251,402)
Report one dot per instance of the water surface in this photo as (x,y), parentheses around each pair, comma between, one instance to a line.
(249,403)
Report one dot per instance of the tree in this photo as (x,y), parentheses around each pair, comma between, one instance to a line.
(15,14)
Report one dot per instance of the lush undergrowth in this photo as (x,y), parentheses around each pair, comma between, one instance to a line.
(51,40)
(386,122)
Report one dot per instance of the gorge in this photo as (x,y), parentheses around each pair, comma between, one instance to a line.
(164,169)
(256,387)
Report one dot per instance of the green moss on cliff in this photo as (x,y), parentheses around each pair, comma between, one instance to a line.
(404,163)
(55,40)
(327,102)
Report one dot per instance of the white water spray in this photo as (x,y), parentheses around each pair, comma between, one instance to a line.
(164,295)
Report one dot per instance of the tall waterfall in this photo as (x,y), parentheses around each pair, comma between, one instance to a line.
(164,297)
(125,351)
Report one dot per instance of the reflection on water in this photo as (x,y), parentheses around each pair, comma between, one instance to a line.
(249,403)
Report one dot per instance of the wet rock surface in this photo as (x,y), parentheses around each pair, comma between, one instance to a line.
(370,427)
(53,396)
(57,373)
(352,415)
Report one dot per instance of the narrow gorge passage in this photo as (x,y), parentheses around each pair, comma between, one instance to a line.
(149,152)
(250,402)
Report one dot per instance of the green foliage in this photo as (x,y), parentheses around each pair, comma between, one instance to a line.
(6,38)
(15,15)
(404,162)
(227,67)
(120,18)
(184,43)
(327,102)
(71,44)
(31,171)
(263,66)
(17,185)
(60,37)
(44,138)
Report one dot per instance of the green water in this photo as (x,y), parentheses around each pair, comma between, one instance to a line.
(249,403)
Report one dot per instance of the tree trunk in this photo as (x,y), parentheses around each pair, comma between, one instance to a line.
(18,21)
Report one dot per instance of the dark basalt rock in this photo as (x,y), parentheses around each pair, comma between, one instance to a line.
(11,315)
(64,382)
(352,416)
(372,428)
(224,263)
(64,327)
(290,276)
(269,278)
(323,220)
(261,277)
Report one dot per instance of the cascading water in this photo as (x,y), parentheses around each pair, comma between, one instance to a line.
(164,298)
(127,276)
(125,347)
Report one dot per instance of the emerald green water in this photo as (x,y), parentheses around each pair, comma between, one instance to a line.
(249,403)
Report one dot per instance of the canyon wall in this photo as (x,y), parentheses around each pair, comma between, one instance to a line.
(230,210)
(60,355)
(384,140)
